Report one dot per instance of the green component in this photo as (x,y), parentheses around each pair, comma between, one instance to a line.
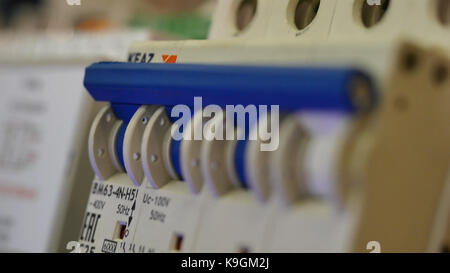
(187,26)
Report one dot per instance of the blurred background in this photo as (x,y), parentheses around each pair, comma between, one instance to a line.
(45,112)
(169,18)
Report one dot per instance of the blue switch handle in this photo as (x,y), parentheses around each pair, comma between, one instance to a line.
(292,88)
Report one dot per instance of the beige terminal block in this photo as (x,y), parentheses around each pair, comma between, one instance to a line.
(406,197)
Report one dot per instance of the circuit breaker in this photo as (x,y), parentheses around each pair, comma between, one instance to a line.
(299,126)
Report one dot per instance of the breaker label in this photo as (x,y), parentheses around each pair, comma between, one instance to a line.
(157,216)
(159,204)
(109,246)
(147,57)
(169,59)
(121,192)
(98,204)
(119,218)
(110,217)
(134,248)
(139,57)
(159,201)
(89,227)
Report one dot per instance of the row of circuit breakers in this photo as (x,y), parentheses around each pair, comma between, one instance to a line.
(250,143)
(298,126)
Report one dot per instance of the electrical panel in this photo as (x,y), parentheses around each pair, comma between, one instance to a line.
(337,139)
